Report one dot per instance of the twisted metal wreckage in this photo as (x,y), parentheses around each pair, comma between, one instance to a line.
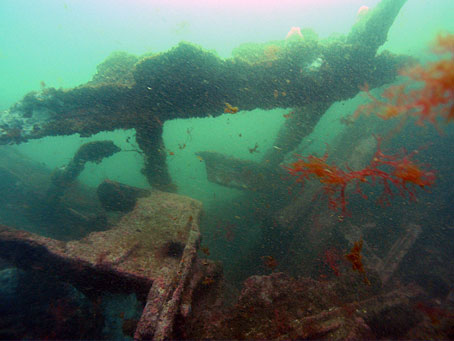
(190,82)
(306,74)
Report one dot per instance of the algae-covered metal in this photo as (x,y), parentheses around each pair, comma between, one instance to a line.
(151,249)
(188,81)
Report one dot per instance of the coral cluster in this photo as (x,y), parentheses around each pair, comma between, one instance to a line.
(400,172)
(428,94)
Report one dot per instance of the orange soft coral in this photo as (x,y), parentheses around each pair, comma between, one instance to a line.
(433,96)
(400,172)
(317,167)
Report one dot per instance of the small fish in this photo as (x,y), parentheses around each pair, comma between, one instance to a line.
(229,109)
(254,149)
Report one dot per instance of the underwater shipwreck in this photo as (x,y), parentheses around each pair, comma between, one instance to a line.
(353,243)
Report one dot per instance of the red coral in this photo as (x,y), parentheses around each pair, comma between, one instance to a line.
(355,258)
(401,172)
(428,95)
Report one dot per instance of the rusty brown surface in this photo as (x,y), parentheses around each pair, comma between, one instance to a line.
(153,246)
(279,307)
(163,302)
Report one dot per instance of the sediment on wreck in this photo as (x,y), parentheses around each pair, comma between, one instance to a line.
(188,81)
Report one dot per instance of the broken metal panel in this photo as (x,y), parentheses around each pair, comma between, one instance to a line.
(390,263)
(154,246)
(115,196)
(240,174)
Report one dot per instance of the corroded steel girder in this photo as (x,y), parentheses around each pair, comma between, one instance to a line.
(188,81)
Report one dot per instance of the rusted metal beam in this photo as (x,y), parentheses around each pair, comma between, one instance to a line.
(190,82)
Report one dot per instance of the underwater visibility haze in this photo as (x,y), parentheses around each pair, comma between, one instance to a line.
(197,169)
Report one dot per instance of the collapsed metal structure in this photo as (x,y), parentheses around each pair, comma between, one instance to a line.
(152,250)
(308,74)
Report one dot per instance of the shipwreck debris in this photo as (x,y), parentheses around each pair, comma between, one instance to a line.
(126,258)
(94,151)
(188,82)
(115,196)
